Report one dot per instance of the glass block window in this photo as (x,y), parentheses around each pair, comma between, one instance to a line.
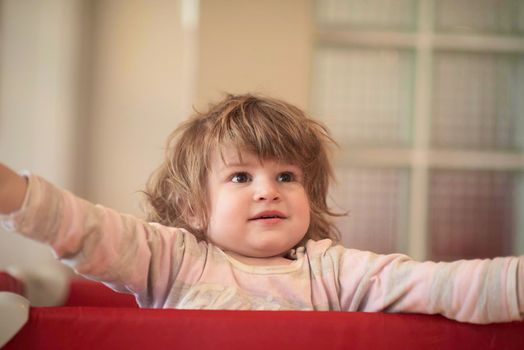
(375,200)
(365,95)
(471,214)
(477,101)
(484,16)
(391,14)
(434,88)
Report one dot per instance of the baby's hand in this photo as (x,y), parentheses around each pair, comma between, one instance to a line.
(12,190)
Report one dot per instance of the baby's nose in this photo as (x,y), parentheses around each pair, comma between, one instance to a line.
(266,190)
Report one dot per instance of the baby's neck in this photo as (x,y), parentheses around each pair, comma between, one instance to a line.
(271,261)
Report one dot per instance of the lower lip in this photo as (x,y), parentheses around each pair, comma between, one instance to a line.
(271,221)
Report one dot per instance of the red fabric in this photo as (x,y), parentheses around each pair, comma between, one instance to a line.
(88,293)
(102,327)
(11,284)
(125,328)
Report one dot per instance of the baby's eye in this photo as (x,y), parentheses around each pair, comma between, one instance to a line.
(240,177)
(286,177)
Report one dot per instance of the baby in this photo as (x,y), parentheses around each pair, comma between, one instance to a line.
(238,219)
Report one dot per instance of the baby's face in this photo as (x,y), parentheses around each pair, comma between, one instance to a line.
(257,209)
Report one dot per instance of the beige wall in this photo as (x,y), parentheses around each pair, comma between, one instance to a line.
(142,87)
(258,46)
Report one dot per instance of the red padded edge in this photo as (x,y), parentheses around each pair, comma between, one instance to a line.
(126,328)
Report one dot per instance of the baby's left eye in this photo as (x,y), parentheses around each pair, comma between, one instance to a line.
(286,177)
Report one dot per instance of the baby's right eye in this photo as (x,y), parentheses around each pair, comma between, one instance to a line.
(240,177)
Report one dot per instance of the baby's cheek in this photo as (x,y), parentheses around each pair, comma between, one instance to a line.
(225,214)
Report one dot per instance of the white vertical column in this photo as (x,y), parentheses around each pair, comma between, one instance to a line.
(39,90)
(57,83)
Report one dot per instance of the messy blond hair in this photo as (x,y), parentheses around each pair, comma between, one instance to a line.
(272,129)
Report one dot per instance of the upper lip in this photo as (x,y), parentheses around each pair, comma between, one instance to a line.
(268,214)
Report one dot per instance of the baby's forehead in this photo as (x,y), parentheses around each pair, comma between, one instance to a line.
(233,156)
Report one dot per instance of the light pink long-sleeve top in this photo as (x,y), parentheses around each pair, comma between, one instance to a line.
(167,267)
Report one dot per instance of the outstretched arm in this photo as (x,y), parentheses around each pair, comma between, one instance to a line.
(477,291)
(124,252)
(12,190)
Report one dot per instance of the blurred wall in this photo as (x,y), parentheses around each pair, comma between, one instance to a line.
(90,89)
(259,46)
(143,84)
(89,92)
(40,46)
